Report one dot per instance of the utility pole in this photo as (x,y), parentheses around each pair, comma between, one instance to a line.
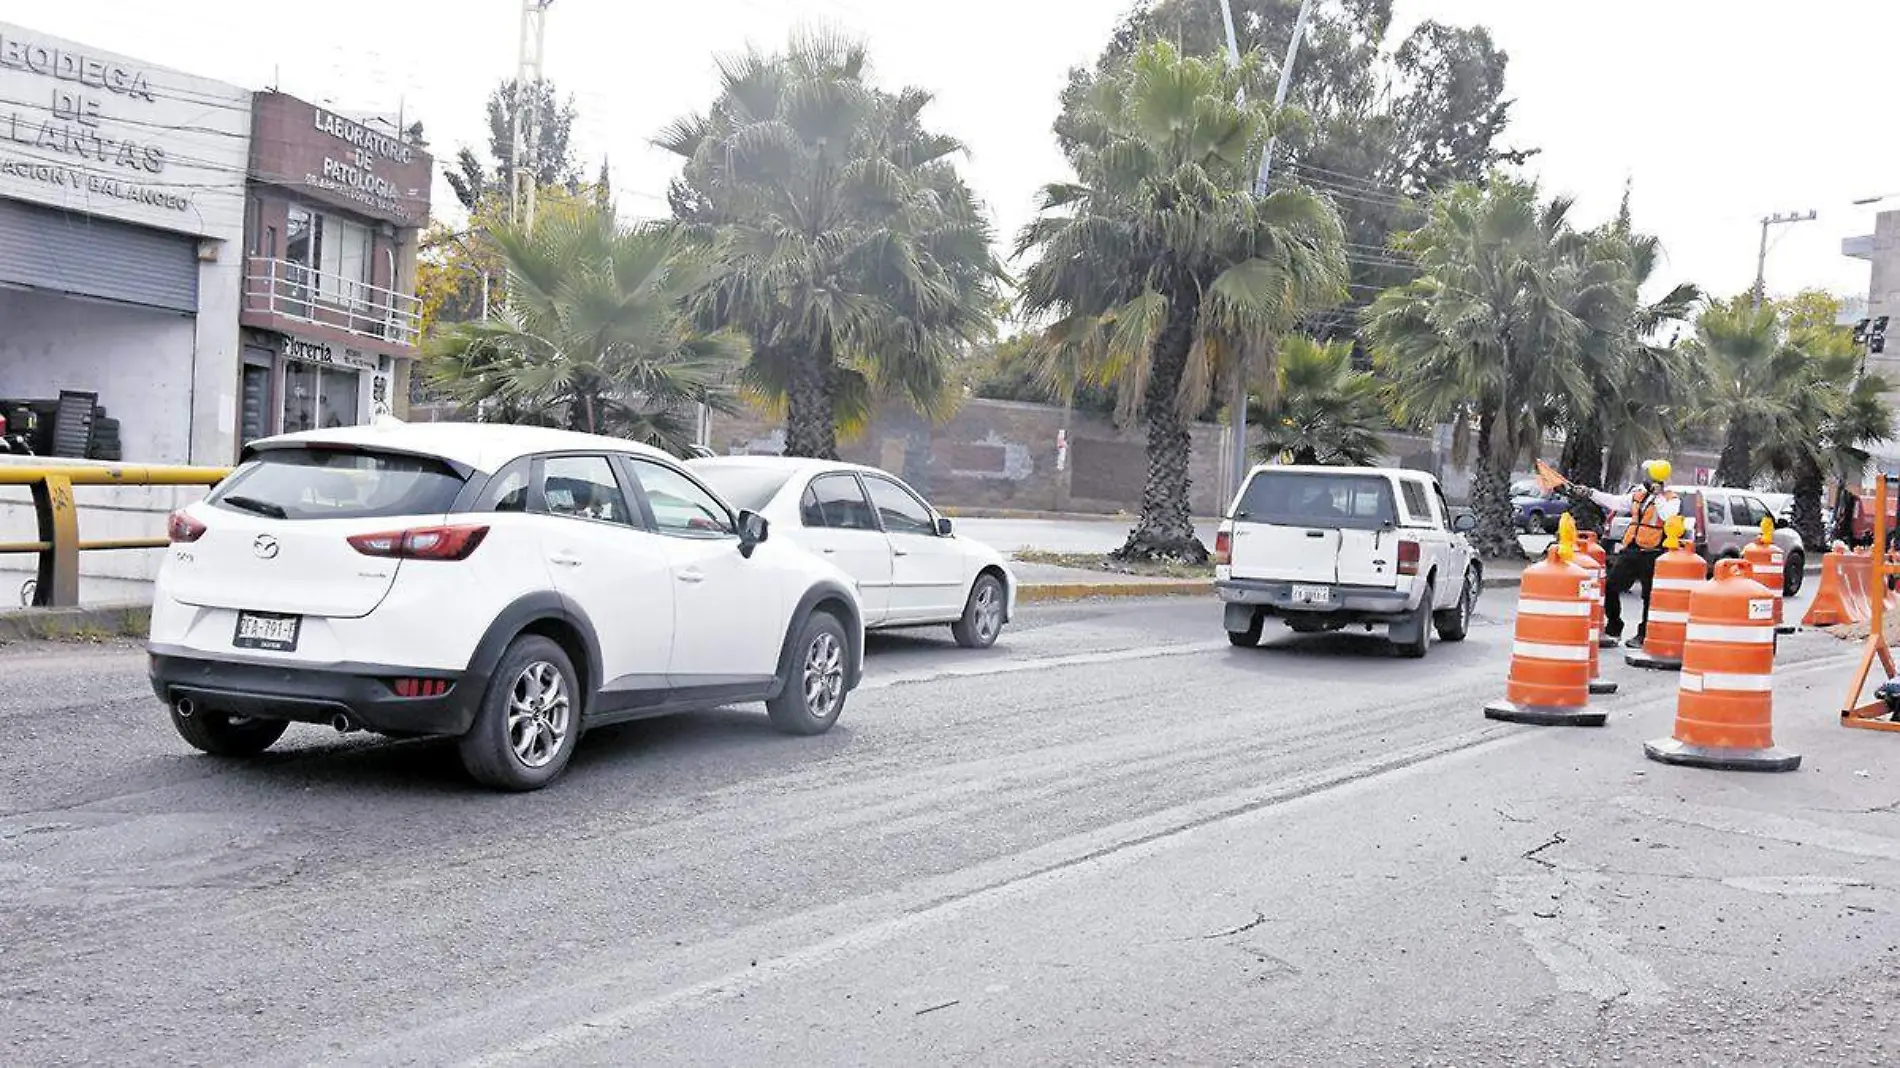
(524,151)
(1237,408)
(1761,257)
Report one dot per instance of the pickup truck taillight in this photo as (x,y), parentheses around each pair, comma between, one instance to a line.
(1223,548)
(1408,558)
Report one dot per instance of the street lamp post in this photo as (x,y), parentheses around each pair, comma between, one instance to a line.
(1237,409)
(1761,257)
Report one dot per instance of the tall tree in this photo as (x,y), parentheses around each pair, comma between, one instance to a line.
(1490,333)
(1749,386)
(852,252)
(1159,259)
(472,179)
(595,331)
(1324,411)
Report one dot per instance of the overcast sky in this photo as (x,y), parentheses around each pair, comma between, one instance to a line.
(1721,111)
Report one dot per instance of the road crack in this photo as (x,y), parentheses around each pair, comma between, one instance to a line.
(1555,840)
(1258,919)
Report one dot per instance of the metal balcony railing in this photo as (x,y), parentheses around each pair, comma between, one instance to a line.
(307,295)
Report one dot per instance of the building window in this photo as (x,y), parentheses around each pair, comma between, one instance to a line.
(319,398)
(333,249)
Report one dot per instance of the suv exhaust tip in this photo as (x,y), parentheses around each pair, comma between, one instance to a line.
(184,706)
(343,723)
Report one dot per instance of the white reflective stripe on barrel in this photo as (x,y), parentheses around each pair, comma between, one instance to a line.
(1528,607)
(1768,572)
(1715,632)
(1665,616)
(1540,651)
(1727,683)
(1675,584)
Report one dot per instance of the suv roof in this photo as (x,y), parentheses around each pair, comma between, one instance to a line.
(482,446)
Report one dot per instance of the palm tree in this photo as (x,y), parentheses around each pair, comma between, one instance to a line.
(594,331)
(850,250)
(1162,271)
(1325,412)
(1831,411)
(1490,332)
(1753,382)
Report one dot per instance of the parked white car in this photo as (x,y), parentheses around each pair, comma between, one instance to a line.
(911,569)
(1329,547)
(506,586)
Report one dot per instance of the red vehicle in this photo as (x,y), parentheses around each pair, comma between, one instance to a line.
(1860,530)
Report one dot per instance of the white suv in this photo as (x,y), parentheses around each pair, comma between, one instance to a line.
(1328,547)
(505,586)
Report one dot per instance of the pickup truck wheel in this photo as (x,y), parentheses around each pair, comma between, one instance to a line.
(1422,628)
(1247,639)
(1455,622)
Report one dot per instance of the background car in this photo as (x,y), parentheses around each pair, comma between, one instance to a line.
(506,586)
(1539,512)
(1723,521)
(911,568)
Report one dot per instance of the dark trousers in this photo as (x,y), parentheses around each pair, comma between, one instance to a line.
(1628,568)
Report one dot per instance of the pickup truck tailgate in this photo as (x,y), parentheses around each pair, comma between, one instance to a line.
(1319,526)
(1285,554)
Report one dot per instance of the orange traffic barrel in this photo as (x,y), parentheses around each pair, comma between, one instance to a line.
(1599,580)
(1725,701)
(1593,548)
(1678,573)
(1549,684)
(1768,565)
(1830,607)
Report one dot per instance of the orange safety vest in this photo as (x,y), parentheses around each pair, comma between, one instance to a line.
(1646,527)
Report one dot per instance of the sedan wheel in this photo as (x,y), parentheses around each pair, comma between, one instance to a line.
(982,620)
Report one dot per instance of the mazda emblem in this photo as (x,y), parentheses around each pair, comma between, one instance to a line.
(265,547)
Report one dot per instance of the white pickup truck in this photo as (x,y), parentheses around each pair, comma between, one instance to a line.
(1325,548)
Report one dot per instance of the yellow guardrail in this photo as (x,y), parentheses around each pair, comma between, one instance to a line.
(59,546)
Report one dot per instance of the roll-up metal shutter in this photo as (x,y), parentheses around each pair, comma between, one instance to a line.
(48,249)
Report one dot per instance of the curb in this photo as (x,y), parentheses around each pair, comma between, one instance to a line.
(1044,593)
(76,624)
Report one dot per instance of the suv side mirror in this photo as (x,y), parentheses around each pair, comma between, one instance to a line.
(1464,523)
(753,529)
(943,527)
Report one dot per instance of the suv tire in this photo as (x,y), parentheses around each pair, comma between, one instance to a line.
(814,690)
(1247,639)
(1455,622)
(982,620)
(529,719)
(1422,619)
(225,735)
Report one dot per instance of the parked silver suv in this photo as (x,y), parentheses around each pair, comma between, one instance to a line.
(1723,520)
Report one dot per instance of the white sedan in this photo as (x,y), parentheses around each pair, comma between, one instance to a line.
(911,569)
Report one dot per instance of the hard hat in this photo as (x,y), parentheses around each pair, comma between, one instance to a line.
(1658,470)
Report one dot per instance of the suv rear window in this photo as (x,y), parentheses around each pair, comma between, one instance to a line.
(1302,499)
(306,483)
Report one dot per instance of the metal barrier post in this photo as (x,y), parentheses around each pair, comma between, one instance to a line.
(58,584)
(1853,712)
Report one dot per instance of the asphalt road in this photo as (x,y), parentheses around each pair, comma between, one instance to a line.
(1113,839)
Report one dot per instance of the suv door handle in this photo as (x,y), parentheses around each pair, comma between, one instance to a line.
(692,575)
(566,559)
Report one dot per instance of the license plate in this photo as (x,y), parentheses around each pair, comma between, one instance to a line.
(1312,595)
(267,630)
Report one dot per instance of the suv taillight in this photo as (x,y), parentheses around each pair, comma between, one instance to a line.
(1408,557)
(183,529)
(1223,547)
(421,543)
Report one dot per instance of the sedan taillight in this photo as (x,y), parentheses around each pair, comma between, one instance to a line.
(421,543)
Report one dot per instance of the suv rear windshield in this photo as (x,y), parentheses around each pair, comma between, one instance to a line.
(306,483)
(750,488)
(1318,499)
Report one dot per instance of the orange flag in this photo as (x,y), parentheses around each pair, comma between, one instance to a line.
(1548,478)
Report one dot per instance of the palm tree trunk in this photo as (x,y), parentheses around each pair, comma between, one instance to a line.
(1734,467)
(810,430)
(1495,537)
(1166,530)
(1809,484)
(1617,462)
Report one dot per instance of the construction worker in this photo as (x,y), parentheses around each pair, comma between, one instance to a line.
(1649,506)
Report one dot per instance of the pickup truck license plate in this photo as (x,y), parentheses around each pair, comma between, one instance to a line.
(267,630)
(1312,595)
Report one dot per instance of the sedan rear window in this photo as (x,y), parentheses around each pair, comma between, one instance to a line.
(750,488)
(1314,499)
(339,484)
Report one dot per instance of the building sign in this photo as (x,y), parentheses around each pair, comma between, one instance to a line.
(340,161)
(92,132)
(296,348)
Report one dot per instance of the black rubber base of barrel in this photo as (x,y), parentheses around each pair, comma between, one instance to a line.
(1670,751)
(1602,686)
(1642,659)
(1545,717)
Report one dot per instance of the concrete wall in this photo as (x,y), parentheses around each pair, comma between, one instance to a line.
(138,360)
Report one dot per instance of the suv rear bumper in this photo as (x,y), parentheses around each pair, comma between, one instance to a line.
(1349,602)
(364,693)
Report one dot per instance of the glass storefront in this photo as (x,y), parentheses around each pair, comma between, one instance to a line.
(320,398)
